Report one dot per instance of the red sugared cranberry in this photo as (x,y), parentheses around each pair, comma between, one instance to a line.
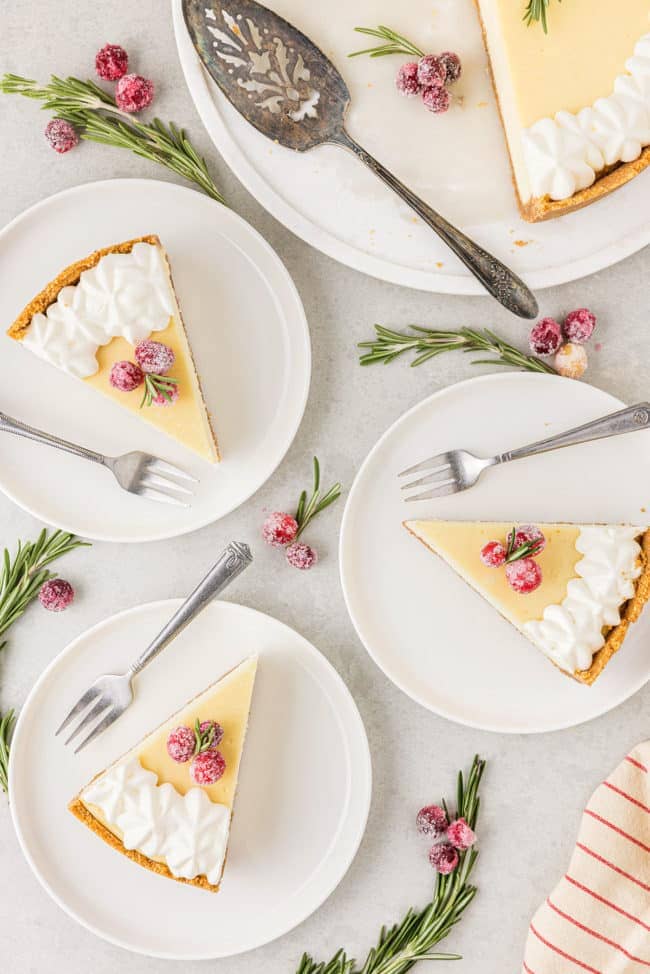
(431,820)
(443,858)
(207,767)
(169,399)
(493,554)
(546,337)
(206,725)
(431,72)
(154,357)
(524,575)
(126,376)
(579,326)
(279,529)
(452,65)
(133,93)
(529,534)
(56,595)
(460,835)
(181,743)
(112,62)
(571,361)
(61,135)
(436,100)
(406,81)
(301,556)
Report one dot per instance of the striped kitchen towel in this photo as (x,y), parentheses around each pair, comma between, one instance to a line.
(597,919)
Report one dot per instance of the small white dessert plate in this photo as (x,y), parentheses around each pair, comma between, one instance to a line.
(302,801)
(430,633)
(456,162)
(249,337)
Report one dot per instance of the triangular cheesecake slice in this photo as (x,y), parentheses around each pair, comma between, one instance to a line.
(148,804)
(590,582)
(95,313)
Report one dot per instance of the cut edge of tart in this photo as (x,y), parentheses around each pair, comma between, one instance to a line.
(186,420)
(558,563)
(228,702)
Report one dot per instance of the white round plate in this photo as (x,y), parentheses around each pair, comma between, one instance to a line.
(432,635)
(249,337)
(302,801)
(457,162)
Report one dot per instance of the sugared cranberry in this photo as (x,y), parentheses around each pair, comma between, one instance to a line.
(529,534)
(406,81)
(460,835)
(436,100)
(301,556)
(112,62)
(571,361)
(61,135)
(431,820)
(524,575)
(169,399)
(181,743)
(444,858)
(206,725)
(579,326)
(493,554)
(56,595)
(207,767)
(431,72)
(133,93)
(453,66)
(279,529)
(126,376)
(154,357)
(546,337)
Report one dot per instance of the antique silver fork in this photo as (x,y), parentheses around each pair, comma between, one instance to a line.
(457,470)
(111,694)
(136,472)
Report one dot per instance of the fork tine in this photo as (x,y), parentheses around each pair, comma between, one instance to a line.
(157,480)
(92,714)
(435,475)
(84,701)
(158,495)
(164,467)
(442,490)
(112,715)
(426,464)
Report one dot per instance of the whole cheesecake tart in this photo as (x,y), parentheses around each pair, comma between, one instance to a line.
(576,591)
(113,320)
(574,101)
(167,803)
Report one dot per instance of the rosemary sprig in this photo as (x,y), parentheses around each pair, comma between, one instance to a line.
(429,342)
(94,113)
(155,385)
(413,939)
(526,550)
(394,43)
(308,509)
(536,11)
(6,727)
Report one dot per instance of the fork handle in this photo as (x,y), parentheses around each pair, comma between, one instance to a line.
(502,283)
(10,425)
(624,421)
(232,562)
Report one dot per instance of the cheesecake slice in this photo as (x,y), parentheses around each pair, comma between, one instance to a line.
(595,580)
(574,102)
(94,315)
(148,805)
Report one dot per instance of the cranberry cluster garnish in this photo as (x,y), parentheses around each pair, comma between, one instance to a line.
(56,595)
(199,746)
(566,342)
(523,573)
(153,361)
(430,77)
(451,838)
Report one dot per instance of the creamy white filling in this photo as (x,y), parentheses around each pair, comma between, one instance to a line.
(572,632)
(124,296)
(564,154)
(189,833)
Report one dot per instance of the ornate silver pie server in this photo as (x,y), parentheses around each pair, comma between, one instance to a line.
(291,92)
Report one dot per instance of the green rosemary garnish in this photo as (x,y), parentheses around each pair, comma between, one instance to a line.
(94,113)
(536,11)
(6,727)
(308,509)
(429,342)
(157,385)
(204,739)
(526,550)
(413,939)
(393,43)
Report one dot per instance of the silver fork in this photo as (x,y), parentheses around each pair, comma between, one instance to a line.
(136,472)
(457,470)
(111,694)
